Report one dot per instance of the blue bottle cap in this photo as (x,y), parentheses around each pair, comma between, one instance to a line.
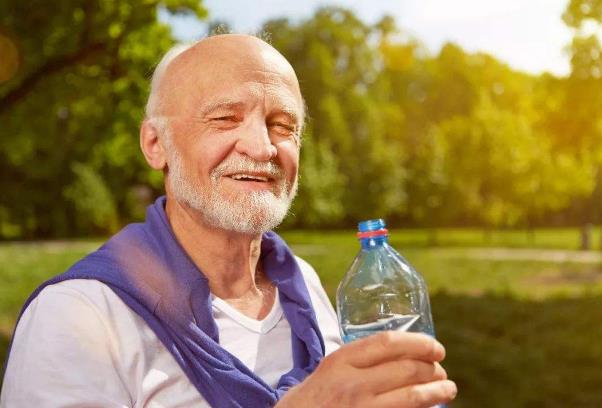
(371,225)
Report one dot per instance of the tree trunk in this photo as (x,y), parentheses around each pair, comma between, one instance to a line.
(433,239)
(487,235)
(530,231)
(586,237)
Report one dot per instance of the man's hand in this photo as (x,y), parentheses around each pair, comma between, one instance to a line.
(389,369)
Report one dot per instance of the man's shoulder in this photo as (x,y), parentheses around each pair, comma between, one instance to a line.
(64,314)
(309,273)
(313,282)
(89,291)
(77,301)
(71,330)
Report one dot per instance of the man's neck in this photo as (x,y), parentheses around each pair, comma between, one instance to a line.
(229,260)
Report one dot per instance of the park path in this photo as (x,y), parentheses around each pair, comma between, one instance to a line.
(534,254)
(486,253)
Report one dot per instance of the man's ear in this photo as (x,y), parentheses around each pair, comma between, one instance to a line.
(151,146)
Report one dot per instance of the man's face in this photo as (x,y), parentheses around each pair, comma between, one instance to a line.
(234,111)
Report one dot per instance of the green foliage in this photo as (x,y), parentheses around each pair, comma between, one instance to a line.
(92,199)
(78,98)
(320,185)
(449,139)
(352,119)
(512,176)
(581,92)
(580,11)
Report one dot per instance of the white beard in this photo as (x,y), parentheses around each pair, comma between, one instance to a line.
(250,212)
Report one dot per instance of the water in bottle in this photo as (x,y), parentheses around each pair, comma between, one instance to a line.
(381,290)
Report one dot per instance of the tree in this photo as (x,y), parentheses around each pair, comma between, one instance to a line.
(583,93)
(454,138)
(77,98)
(355,146)
(449,101)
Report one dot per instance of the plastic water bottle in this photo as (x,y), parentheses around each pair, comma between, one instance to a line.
(381,290)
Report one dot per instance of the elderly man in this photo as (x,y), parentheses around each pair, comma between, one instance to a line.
(201,305)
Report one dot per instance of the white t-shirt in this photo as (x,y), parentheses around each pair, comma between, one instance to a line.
(78,345)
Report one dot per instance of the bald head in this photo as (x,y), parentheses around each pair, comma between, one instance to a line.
(186,71)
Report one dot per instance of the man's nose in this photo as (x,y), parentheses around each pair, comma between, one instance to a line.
(255,142)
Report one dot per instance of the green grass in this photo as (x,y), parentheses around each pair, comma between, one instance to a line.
(560,238)
(467,265)
(23,266)
(521,326)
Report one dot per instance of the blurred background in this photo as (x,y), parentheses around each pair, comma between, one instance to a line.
(473,127)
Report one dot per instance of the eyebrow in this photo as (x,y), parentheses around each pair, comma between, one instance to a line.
(285,106)
(291,113)
(221,104)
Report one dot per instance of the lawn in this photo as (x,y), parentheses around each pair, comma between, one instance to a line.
(519,313)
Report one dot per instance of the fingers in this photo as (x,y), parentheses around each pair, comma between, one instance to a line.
(386,370)
(393,345)
(397,374)
(418,396)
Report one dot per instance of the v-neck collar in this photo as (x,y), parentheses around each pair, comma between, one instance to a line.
(259,326)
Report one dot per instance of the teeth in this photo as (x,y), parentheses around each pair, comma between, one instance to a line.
(248,177)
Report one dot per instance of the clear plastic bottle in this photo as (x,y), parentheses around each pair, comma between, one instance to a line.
(381,290)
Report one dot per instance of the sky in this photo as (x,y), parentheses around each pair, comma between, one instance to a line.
(528,35)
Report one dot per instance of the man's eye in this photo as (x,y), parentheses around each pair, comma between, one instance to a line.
(229,118)
(283,128)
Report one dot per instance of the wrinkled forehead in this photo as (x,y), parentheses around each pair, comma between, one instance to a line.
(222,68)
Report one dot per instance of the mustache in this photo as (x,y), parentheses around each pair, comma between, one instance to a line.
(241,164)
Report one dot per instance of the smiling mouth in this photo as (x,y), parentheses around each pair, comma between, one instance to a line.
(250,177)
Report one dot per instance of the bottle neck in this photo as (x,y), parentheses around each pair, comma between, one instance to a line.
(374,242)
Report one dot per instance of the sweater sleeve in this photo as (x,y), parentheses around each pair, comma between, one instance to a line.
(63,355)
